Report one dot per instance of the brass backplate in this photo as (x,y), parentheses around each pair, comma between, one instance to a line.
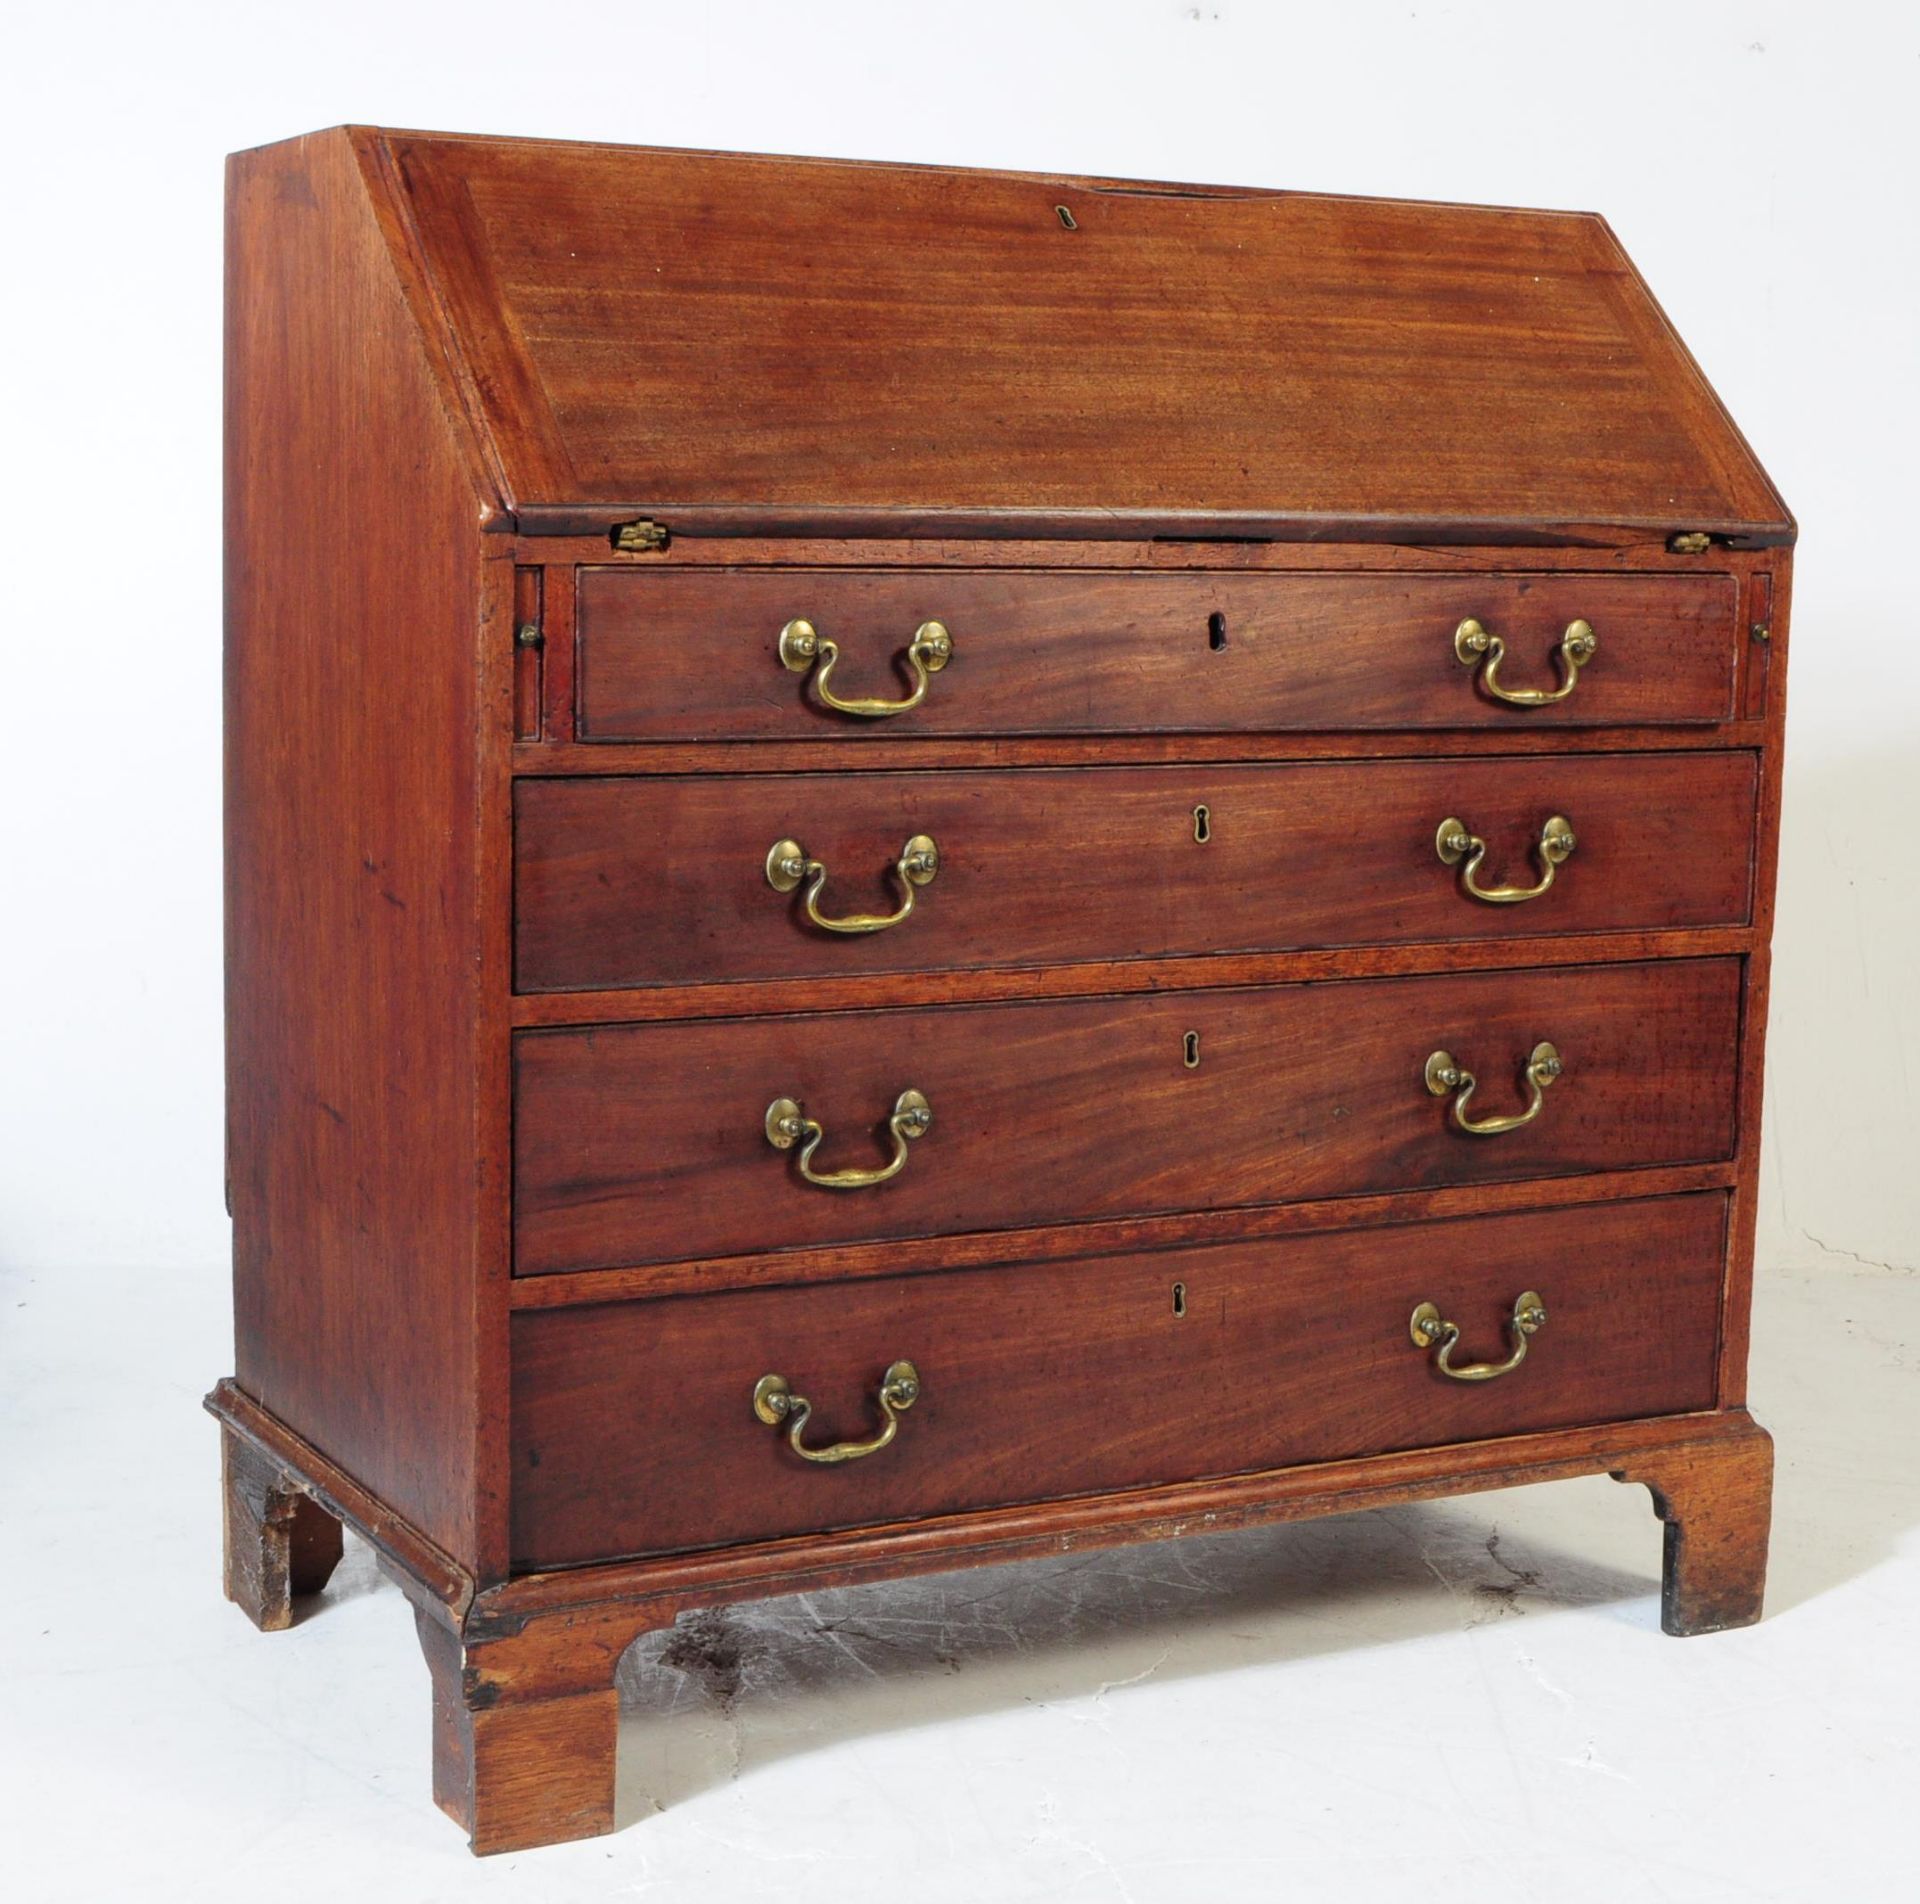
(772,1399)
(1470,642)
(920,859)
(935,645)
(799,646)
(786,865)
(783,1120)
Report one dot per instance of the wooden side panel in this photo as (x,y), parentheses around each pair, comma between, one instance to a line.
(676,655)
(1064,1378)
(1771,599)
(645,1143)
(354,608)
(662,881)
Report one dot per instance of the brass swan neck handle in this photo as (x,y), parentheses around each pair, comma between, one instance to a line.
(1458,845)
(775,1403)
(1475,647)
(788,863)
(1431,1330)
(1444,1074)
(803,647)
(787,1124)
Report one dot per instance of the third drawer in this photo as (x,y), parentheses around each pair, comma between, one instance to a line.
(648,1143)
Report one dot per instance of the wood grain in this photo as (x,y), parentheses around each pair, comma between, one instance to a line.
(1716,1499)
(664,653)
(935,1255)
(1770,607)
(644,1143)
(1198,972)
(1067,1378)
(354,607)
(889,341)
(1621,552)
(279,1544)
(520,1773)
(661,881)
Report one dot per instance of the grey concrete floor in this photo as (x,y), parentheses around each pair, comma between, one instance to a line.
(1468,1701)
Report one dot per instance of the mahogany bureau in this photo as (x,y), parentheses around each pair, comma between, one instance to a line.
(925,866)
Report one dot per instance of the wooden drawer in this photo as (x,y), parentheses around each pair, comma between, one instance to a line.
(646,1143)
(692,654)
(663,881)
(1064,1378)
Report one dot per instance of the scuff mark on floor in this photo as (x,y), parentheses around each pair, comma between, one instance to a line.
(707,1647)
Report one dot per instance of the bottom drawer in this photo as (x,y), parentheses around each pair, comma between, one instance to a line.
(635,1430)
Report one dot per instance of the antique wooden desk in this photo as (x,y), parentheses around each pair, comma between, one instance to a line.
(926,865)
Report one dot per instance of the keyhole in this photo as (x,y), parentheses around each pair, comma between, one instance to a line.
(1216,631)
(1179,1299)
(1190,1051)
(1203,824)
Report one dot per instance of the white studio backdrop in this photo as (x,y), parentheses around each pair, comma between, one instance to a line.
(1759,161)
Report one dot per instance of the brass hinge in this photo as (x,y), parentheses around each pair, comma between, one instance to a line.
(645,537)
(1694,542)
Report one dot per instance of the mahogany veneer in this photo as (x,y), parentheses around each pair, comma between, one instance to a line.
(1088,1108)
(665,655)
(536,453)
(648,881)
(1299,1348)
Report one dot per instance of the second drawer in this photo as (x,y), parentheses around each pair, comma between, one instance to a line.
(649,1143)
(665,881)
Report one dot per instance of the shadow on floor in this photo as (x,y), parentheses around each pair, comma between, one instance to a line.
(734,1688)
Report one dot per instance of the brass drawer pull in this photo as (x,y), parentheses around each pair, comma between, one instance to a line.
(788,865)
(787,1124)
(802,647)
(1478,649)
(1431,1330)
(1454,843)
(1444,1075)
(775,1403)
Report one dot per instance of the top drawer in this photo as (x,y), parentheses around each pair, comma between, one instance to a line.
(698,655)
